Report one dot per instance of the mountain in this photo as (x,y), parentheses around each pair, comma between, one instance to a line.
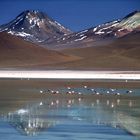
(120,54)
(112,45)
(38,28)
(101,34)
(15,52)
(35,26)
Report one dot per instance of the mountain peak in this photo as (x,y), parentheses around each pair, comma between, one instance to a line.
(131,21)
(31,11)
(136,12)
(35,26)
(33,14)
(26,12)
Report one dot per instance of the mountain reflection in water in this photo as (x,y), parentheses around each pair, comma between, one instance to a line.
(99,116)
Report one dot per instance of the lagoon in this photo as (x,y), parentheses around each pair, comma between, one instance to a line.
(74,118)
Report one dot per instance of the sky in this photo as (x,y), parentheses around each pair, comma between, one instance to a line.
(74,14)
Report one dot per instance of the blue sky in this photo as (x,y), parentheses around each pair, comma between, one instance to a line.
(74,14)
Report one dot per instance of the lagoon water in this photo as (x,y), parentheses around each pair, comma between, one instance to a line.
(73,119)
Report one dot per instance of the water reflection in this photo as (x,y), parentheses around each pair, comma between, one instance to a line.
(28,121)
(114,116)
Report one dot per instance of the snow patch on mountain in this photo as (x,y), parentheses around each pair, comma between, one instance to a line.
(62,27)
(99,32)
(22,34)
(81,38)
(94,29)
(84,31)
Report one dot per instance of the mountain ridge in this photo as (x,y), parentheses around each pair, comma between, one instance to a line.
(108,31)
(37,27)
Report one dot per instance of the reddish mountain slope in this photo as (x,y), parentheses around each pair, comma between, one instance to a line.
(17,52)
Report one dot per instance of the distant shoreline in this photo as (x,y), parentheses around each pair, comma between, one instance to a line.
(70,74)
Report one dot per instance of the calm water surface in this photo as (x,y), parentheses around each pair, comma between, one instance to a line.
(73,119)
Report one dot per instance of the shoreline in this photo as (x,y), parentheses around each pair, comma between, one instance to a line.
(70,74)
